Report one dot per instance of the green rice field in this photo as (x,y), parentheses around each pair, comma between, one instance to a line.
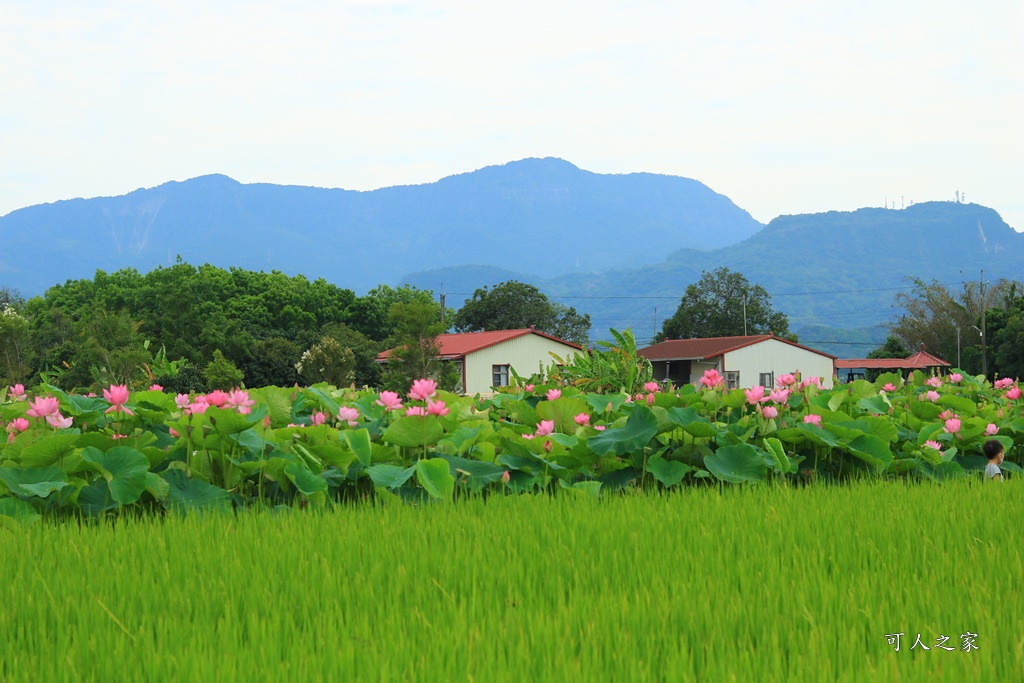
(763,583)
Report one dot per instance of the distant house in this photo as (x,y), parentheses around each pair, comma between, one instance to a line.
(486,359)
(743,361)
(849,369)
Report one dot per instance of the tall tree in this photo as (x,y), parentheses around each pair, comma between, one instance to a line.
(14,346)
(717,305)
(416,352)
(937,317)
(1005,327)
(515,305)
(892,348)
(371,314)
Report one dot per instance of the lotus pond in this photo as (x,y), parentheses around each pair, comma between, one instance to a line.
(151,452)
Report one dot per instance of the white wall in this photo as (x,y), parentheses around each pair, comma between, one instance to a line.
(526,355)
(778,357)
(697,369)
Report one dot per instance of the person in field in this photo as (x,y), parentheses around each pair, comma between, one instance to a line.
(994,451)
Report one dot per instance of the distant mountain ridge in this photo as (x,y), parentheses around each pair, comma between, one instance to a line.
(542,216)
(593,241)
(828,271)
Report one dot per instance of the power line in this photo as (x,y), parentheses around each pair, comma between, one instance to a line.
(679,296)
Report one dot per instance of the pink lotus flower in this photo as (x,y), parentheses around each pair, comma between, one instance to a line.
(547,445)
(812,419)
(545,427)
(946,414)
(318,418)
(217,398)
(1003,383)
(934,382)
(889,386)
(952,425)
(416,411)
(239,400)
(816,381)
(59,421)
(43,406)
(527,436)
(787,380)
(527,388)
(1013,393)
(650,399)
(349,415)
(991,429)
(755,395)
(155,387)
(118,436)
(437,408)
(266,422)
(770,412)
(582,419)
(389,400)
(181,400)
(554,394)
(422,389)
(505,477)
(712,379)
(780,396)
(14,427)
(955,377)
(174,432)
(652,387)
(198,407)
(600,428)
(17,392)
(932,396)
(933,444)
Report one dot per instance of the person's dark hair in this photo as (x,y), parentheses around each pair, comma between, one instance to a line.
(992,448)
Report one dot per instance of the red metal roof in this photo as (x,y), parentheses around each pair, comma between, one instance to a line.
(711,347)
(921,360)
(876,364)
(927,360)
(462,344)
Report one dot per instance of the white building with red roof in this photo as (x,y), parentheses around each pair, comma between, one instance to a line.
(744,361)
(487,359)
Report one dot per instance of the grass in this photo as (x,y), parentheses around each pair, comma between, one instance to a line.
(741,584)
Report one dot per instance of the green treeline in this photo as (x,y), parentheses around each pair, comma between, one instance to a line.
(192,328)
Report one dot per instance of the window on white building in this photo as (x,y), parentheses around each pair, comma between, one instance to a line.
(768,380)
(732,379)
(499,375)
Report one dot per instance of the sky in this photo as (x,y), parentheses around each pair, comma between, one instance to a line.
(785,107)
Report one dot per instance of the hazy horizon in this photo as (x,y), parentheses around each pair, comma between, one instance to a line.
(786,108)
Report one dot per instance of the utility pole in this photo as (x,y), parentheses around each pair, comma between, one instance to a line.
(442,304)
(655,334)
(958,347)
(744,315)
(984,340)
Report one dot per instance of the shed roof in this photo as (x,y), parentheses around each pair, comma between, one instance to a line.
(712,347)
(921,360)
